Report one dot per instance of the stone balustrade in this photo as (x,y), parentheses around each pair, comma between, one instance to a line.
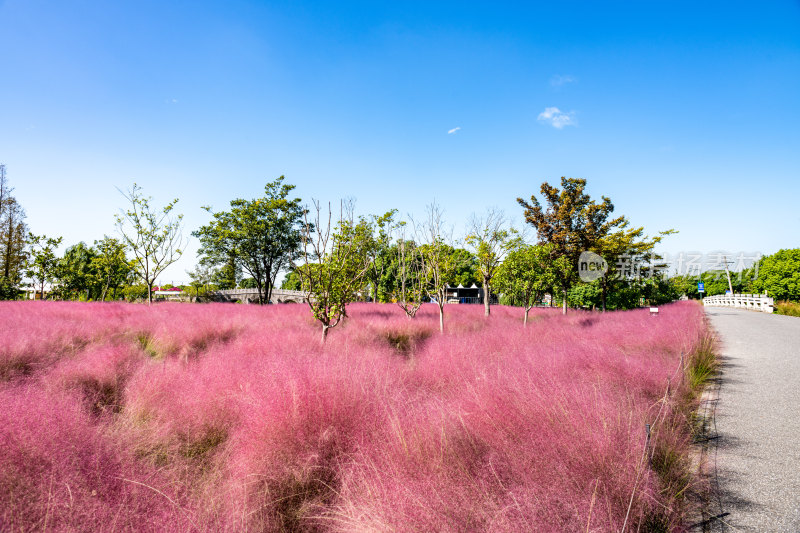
(753,302)
(251,295)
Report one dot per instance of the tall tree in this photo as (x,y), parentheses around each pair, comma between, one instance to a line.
(490,241)
(153,235)
(111,266)
(260,236)
(200,278)
(13,238)
(439,262)
(76,275)
(379,250)
(43,263)
(334,266)
(572,223)
(410,281)
(779,275)
(625,246)
(526,274)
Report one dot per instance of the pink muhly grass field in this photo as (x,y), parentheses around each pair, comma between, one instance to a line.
(221,417)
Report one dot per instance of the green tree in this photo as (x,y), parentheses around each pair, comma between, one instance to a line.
(585,295)
(112,268)
(335,265)
(465,267)
(629,246)
(225,275)
(153,235)
(526,274)
(440,263)
(76,275)
(292,281)
(572,223)
(490,241)
(247,283)
(200,278)
(408,267)
(13,240)
(262,235)
(43,264)
(379,251)
(779,275)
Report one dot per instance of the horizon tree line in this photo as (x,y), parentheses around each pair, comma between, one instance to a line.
(341,259)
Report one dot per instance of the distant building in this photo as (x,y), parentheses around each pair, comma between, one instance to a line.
(466,295)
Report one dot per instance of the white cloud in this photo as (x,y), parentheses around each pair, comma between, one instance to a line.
(558,80)
(557,118)
(454,130)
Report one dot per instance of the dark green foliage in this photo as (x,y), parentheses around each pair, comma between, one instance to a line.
(779,275)
(76,275)
(291,282)
(13,238)
(247,283)
(260,237)
(571,222)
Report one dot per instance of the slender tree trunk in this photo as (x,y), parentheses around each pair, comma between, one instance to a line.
(564,303)
(149,293)
(603,296)
(105,288)
(324,333)
(486,293)
(527,310)
(441,316)
(269,288)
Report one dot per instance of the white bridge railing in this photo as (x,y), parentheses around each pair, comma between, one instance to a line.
(251,295)
(754,302)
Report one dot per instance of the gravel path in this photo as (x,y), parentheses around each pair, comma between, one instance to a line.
(758,421)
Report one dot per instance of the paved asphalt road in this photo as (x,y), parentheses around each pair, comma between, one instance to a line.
(758,421)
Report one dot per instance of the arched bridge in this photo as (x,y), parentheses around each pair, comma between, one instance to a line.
(247,296)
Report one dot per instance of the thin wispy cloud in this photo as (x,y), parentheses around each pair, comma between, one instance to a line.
(454,130)
(557,118)
(558,80)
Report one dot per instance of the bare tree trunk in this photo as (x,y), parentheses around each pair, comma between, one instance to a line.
(603,295)
(486,293)
(324,333)
(564,303)
(525,322)
(105,289)
(149,293)
(441,317)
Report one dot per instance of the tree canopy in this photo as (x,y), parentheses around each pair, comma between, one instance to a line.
(571,222)
(526,274)
(779,275)
(13,239)
(260,236)
(153,235)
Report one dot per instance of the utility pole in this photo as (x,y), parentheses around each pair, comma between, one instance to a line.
(728,273)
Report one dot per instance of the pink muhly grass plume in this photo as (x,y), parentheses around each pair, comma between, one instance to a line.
(227,417)
(58,472)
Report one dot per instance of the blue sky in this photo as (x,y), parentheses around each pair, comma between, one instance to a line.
(684,113)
